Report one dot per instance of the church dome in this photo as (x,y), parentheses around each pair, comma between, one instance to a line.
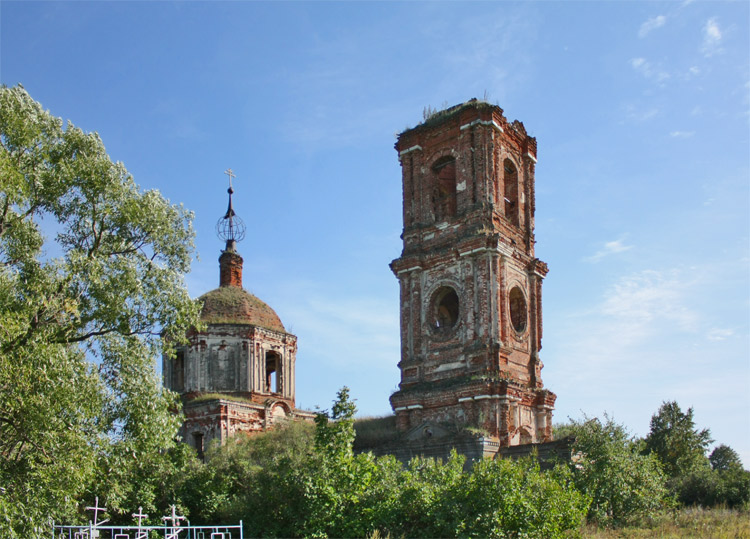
(234,305)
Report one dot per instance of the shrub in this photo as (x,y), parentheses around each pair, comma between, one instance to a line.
(621,482)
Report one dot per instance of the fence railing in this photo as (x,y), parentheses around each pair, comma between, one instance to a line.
(168,531)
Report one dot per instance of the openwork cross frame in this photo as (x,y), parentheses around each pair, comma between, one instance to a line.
(230,228)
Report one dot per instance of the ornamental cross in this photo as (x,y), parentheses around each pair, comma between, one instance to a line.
(175,518)
(140,534)
(229,172)
(96,509)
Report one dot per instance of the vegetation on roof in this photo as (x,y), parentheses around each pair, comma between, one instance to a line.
(434,117)
(232,305)
(221,396)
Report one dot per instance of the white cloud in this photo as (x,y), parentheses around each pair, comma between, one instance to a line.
(719,334)
(648,334)
(711,38)
(648,70)
(625,332)
(651,24)
(634,114)
(610,248)
(637,302)
(681,134)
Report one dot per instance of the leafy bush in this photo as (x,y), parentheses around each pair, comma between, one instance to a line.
(621,482)
(710,488)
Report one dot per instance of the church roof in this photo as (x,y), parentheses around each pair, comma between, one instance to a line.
(234,305)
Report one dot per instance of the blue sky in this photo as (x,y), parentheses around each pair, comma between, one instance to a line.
(640,109)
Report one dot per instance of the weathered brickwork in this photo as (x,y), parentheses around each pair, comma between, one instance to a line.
(470,285)
(238,374)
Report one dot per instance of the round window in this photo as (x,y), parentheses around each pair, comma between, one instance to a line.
(517,309)
(444,309)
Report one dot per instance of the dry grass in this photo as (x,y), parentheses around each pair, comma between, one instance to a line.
(695,523)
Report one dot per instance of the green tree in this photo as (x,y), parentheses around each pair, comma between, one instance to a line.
(725,483)
(724,458)
(608,467)
(676,442)
(90,280)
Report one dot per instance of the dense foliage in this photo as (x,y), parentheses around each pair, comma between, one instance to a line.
(628,477)
(693,477)
(295,482)
(90,278)
(608,466)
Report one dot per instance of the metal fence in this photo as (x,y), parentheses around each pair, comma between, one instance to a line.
(147,532)
(171,529)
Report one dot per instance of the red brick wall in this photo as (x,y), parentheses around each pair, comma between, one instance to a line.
(483,371)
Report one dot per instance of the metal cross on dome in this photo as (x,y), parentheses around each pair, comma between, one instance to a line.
(229,172)
(230,228)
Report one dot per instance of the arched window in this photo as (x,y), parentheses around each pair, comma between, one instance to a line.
(526,437)
(444,310)
(198,444)
(518,311)
(510,182)
(273,372)
(223,375)
(444,193)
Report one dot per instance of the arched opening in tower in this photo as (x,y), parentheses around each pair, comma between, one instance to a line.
(273,372)
(445,188)
(510,181)
(517,305)
(445,309)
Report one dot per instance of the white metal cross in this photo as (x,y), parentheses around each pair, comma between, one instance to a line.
(96,509)
(140,516)
(231,175)
(175,518)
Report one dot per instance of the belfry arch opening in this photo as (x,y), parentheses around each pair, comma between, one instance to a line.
(273,372)
(445,309)
(198,444)
(510,191)
(518,310)
(444,194)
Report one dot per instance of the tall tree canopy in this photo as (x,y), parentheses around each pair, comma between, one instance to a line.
(91,278)
(677,443)
(724,458)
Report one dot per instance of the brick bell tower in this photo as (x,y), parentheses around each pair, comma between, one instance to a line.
(471,286)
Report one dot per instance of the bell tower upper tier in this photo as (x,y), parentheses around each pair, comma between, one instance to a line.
(467,164)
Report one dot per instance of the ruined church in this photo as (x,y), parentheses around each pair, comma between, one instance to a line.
(237,374)
(470,317)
